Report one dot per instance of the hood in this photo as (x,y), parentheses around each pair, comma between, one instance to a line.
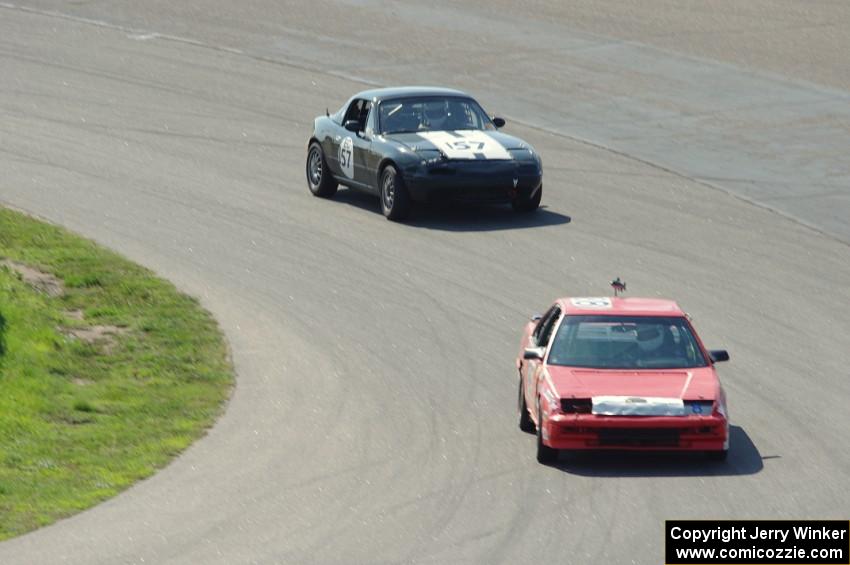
(462,144)
(699,383)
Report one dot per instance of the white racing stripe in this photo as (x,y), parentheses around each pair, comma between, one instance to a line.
(466,144)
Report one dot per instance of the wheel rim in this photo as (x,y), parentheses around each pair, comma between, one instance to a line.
(314,167)
(389,191)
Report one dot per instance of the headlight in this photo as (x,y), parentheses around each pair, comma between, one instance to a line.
(577,405)
(530,150)
(699,407)
(527,156)
(431,158)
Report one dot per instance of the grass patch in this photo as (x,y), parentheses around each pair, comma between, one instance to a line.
(99,387)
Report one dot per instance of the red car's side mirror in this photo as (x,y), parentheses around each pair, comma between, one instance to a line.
(535,353)
(718,355)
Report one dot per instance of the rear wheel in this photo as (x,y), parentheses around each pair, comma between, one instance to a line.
(528,202)
(395,201)
(545,454)
(720,455)
(526,424)
(319,178)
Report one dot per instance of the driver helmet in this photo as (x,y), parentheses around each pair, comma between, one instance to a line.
(436,114)
(649,337)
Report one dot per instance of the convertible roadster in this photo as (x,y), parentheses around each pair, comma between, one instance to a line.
(619,373)
(421,144)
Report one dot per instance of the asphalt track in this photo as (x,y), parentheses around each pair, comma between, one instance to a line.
(373,419)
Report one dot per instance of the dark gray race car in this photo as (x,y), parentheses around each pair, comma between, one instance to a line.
(420,144)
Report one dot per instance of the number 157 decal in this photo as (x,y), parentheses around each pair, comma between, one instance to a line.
(346,151)
(466,145)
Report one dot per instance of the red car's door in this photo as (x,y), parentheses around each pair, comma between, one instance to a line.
(532,369)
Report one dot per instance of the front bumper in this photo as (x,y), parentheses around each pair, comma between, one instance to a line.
(473,181)
(653,433)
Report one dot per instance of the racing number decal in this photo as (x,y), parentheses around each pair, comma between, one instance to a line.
(592,302)
(467,145)
(346,153)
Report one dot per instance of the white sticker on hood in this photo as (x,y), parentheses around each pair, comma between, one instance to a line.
(466,144)
(591,302)
(637,406)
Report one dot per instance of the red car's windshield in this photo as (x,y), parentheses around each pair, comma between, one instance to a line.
(626,342)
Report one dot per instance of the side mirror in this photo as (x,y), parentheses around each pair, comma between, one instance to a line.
(352,125)
(499,122)
(718,355)
(535,353)
(536,317)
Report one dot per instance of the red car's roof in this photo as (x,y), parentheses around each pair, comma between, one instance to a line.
(607,305)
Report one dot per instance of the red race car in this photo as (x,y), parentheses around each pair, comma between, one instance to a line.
(620,373)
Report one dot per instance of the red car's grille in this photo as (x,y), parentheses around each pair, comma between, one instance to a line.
(635,437)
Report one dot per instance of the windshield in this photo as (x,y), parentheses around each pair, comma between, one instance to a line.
(432,113)
(626,342)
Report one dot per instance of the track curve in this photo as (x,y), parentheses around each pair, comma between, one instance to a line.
(373,417)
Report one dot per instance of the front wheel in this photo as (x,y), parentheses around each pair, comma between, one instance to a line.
(319,178)
(545,454)
(526,424)
(528,202)
(395,201)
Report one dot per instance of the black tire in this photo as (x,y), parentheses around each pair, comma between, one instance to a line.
(719,455)
(526,424)
(319,179)
(528,202)
(395,201)
(545,454)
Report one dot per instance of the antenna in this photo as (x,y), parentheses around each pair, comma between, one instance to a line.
(618,286)
(327,113)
